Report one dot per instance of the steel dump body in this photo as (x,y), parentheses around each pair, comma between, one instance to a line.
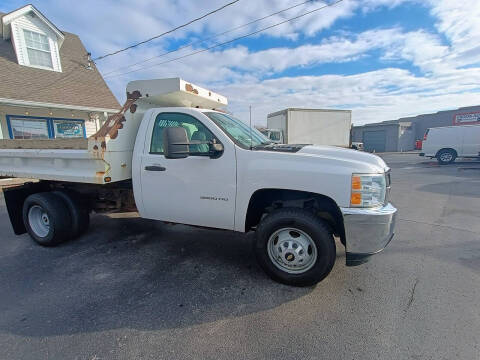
(106,156)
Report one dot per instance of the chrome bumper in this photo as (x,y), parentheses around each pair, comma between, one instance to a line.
(367,232)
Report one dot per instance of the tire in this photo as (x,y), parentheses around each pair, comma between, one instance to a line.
(51,211)
(446,156)
(293,226)
(78,212)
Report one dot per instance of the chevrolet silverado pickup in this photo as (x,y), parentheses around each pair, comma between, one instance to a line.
(173,155)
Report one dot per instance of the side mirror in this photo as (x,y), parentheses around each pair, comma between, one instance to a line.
(216,149)
(175,143)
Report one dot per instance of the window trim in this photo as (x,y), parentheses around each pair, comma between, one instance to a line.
(50,127)
(180,113)
(56,66)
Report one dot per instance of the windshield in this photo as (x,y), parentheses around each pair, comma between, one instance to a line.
(275,135)
(238,131)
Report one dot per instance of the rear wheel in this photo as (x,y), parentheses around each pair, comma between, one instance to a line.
(446,156)
(295,247)
(46,218)
(78,212)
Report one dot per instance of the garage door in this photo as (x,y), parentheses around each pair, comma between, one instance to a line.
(374,140)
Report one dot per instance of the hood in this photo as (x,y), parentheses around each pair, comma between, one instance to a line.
(376,163)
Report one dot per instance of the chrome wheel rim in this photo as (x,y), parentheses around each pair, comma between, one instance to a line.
(39,221)
(446,157)
(292,250)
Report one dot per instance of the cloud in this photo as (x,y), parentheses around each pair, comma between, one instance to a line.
(459,22)
(421,70)
(373,96)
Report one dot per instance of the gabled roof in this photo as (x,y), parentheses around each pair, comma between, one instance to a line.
(75,85)
(28,9)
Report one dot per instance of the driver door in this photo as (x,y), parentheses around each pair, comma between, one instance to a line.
(196,190)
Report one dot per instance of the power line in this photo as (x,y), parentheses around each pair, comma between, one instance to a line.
(208,38)
(229,41)
(166,32)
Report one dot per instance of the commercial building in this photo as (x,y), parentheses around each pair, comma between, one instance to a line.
(401,134)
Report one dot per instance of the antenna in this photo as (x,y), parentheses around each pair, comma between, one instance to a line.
(251,127)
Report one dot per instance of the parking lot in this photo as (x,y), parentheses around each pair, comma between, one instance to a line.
(137,289)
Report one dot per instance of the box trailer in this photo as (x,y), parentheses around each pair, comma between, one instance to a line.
(312,126)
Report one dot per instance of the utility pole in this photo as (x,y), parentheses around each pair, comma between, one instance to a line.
(250,107)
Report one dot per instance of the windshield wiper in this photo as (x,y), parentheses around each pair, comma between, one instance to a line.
(263,145)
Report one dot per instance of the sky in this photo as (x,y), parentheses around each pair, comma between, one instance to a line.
(382,59)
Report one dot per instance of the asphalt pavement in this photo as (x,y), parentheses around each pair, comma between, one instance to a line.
(137,289)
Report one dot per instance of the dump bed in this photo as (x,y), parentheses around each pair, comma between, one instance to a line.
(59,159)
(107,155)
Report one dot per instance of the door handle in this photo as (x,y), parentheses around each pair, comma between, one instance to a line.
(155,168)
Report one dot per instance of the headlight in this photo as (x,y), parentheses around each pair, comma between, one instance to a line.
(368,190)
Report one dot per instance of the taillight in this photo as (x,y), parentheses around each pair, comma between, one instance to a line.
(425,136)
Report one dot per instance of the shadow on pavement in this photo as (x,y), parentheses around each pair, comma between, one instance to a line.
(465,188)
(132,273)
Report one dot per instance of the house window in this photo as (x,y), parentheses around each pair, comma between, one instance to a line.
(38,49)
(28,127)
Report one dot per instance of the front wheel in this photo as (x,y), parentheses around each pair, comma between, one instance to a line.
(295,247)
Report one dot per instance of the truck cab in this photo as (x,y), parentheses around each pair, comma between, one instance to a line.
(275,135)
(203,167)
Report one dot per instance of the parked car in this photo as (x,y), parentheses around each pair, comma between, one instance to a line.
(357,145)
(198,166)
(451,142)
(275,135)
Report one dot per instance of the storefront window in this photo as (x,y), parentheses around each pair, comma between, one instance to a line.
(25,127)
(68,129)
(29,128)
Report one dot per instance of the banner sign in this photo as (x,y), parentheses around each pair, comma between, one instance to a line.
(468,118)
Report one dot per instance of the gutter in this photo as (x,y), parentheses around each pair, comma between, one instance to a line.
(35,104)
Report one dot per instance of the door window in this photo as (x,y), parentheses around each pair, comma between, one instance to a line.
(196,131)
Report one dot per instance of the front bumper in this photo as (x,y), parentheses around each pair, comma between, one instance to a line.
(367,232)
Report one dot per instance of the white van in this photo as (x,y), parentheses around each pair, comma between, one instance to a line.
(449,142)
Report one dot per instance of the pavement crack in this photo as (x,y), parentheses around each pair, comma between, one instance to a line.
(412,294)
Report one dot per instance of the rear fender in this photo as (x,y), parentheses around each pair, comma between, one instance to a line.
(15,197)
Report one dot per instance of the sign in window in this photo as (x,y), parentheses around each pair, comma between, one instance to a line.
(68,129)
(29,128)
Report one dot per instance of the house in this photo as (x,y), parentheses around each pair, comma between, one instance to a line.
(48,88)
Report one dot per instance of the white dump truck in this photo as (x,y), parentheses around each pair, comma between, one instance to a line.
(310,126)
(173,156)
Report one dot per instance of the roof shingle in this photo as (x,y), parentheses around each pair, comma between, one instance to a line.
(75,85)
